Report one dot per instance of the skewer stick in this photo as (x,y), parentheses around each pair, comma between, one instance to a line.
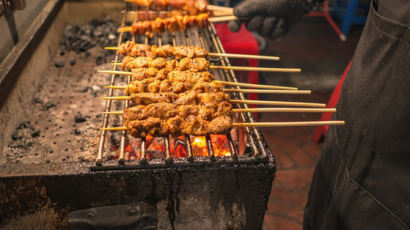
(224,83)
(261,69)
(254,85)
(268,91)
(254,102)
(246,68)
(223,19)
(246,56)
(288,124)
(126,73)
(263,124)
(281,103)
(263,110)
(211,19)
(219,8)
(285,110)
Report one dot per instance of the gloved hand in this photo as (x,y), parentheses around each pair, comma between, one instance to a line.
(271,18)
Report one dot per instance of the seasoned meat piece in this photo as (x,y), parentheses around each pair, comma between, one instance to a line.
(220,125)
(224,109)
(171,65)
(158,27)
(165,51)
(199,52)
(212,98)
(206,112)
(125,62)
(158,63)
(148,98)
(178,87)
(195,126)
(154,86)
(141,50)
(183,51)
(174,125)
(139,74)
(161,110)
(165,86)
(207,87)
(135,87)
(188,98)
(126,47)
(135,113)
(187,110)
(139,62)
(184,64)
(199,64)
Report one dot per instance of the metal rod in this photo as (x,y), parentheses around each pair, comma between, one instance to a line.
(168,159)
(231,145)
(225,61)
(107,108)
(188,147)
(209,146)
(143,160)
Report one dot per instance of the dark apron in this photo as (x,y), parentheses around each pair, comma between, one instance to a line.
(362,180)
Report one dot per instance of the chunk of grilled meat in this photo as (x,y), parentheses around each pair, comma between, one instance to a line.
(164,110)
(152,85)
(176,126)
(187,98)
(191,64)
(133,49)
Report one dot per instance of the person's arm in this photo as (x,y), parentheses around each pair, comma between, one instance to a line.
(271,18)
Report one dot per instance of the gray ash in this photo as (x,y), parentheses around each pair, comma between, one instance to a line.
(64,122)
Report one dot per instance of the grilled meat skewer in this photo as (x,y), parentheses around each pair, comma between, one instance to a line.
(133,49)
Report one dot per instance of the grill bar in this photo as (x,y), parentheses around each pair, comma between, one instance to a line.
(108,102)
(249,117)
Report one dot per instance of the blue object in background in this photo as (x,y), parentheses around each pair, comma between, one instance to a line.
(348,10)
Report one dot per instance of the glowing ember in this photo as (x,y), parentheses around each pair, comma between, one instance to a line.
(156,147)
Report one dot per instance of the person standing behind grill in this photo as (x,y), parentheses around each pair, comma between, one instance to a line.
(362,180)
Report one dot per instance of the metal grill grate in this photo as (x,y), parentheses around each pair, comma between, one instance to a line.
(206,38)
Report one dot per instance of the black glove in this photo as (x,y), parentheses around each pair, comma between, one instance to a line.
(271,18)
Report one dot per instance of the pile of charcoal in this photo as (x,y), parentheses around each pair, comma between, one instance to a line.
(96,33)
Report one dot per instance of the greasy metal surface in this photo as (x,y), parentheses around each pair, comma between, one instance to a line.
(133,216)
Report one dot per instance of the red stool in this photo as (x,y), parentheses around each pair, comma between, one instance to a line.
(334,98)
(242,42)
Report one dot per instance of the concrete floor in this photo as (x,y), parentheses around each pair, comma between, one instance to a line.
(315,47)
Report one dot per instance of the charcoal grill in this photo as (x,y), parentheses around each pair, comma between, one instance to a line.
(206,38)
(209,192)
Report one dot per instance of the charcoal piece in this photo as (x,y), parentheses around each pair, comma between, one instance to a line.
(83,90)
(77,132)
(48,105)
(116,138)
(78,118)
(72,62)
(99,60)
(35,133)
(37,101)
(59,63)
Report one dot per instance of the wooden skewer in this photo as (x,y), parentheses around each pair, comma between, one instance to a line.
(211,19)
(219,8)
(223,19)
(282,103)
(254,85)
(263,110)
(268,91)
(288,124)
(126,73)
(261,69)
(246,56)
(246,68)
(254,102)
(263,124)
(224,83)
